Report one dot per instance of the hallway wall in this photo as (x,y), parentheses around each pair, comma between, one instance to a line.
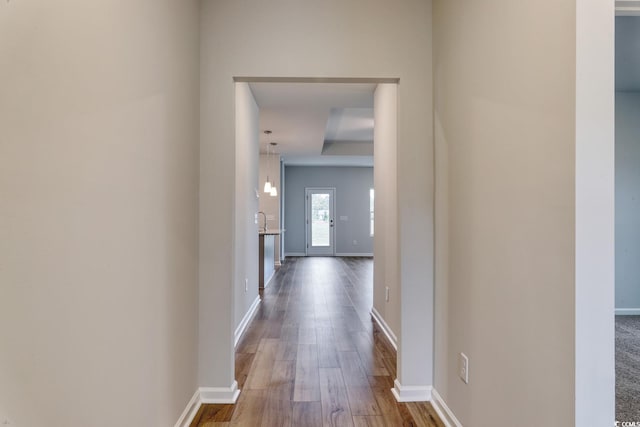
(505,117)
(98,212)
(360,38)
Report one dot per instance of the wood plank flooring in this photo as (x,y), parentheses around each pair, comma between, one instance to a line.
(312,356)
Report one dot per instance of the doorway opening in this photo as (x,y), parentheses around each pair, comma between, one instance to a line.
(627,218)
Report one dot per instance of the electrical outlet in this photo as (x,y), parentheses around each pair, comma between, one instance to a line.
(246,285)
(355,242)
(386,293)
(463,368)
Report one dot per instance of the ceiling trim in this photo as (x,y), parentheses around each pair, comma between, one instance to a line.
(627,7)
(245,79)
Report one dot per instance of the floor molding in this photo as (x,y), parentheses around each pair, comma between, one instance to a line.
(385,328)
(227,395)
(411,393)
(190,411)
(290,254)
(245,320)
(627,311)
(446,415)
(207,395)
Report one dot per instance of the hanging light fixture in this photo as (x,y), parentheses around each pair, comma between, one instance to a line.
(274,191)
(267,184)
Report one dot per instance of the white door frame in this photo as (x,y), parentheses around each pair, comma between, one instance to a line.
(307,232)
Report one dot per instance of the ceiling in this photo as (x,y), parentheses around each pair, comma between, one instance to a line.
(628,53)
(317,123)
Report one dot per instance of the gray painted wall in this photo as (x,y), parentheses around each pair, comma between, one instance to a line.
(627,53)
(627,200)
(352,186)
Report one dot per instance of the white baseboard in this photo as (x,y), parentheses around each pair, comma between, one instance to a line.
(220,394)
(411,393)
(278,263)
(443,411)
(190,411)
(355,254)
(245,320)
(385,328)
(207,395)
(627,311)
(294,254)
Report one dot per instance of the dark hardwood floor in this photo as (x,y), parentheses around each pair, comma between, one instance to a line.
(312,356)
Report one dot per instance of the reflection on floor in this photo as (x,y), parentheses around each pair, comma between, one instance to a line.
(628,368)
(312,355)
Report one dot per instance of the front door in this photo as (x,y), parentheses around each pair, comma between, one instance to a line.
(320,221)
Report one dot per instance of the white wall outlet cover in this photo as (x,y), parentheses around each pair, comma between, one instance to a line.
(386,293)
(246,285)
(463,368)
(355,242)
(255,218)
(344,218)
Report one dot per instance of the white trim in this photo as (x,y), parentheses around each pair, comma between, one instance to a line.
(627,311)
(366,254)
(385,328)
(411,393)
(190,411)
(278,264)
(207,395)
(210,395)
(446,415)
(287,254)
(245,320)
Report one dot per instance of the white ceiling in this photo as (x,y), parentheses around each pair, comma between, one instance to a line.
(350,124)
(302,116)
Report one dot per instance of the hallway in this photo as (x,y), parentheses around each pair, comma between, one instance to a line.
(312,355)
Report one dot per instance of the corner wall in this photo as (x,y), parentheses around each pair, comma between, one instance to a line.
(98,212)
(246,203)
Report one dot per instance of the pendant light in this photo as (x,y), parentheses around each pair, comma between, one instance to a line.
(267,185)
(274,191)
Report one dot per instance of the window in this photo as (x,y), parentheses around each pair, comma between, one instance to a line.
(371,212)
